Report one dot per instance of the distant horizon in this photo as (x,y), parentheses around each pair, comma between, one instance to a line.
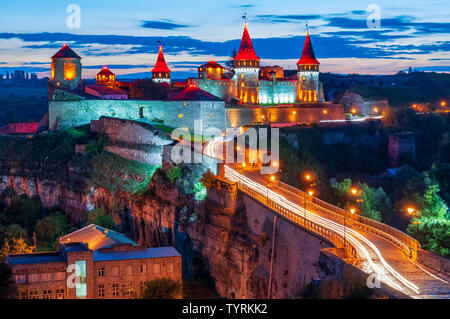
(346,37)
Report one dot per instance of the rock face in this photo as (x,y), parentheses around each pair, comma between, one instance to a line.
(228,236)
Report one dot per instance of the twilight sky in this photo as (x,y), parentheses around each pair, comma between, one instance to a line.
(124,34)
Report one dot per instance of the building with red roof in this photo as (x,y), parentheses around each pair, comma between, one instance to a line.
(20,128)
(65,70)
(106,92)
(105,77)
(309,87)
(252,84)
(161,72)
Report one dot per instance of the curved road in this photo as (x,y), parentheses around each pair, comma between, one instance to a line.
(375,254)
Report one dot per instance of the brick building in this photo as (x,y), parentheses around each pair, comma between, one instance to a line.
(108,265)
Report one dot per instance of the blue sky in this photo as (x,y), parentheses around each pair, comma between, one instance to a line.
(124,34)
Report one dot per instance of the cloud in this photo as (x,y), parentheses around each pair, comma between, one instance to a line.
(162,25)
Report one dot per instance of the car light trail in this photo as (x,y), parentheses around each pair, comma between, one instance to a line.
(356,239)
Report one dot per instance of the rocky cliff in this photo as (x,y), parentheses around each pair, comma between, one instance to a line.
(227,237)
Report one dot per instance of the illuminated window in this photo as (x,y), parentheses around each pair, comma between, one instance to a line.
(129,289)
(47,294)
(34,294)
(21,279)
(170,267)
(115,289)
(59,293)
(101,290)
(69,71)
(143,269)
(22,295)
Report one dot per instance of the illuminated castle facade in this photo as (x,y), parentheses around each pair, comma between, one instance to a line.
(251,84)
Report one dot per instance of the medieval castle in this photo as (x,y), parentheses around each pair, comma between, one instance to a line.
(248,95)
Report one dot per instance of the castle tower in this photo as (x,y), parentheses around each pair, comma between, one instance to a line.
(105,77)
(246,71)
(308,74)
(66,69)
(160,72)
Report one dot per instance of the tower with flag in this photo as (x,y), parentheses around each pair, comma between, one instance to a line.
(160,72)
(308,73)
(246,71)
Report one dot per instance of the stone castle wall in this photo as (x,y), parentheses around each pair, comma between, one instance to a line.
(66,114)
(242,116)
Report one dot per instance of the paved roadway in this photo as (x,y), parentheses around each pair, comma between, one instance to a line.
(375,254)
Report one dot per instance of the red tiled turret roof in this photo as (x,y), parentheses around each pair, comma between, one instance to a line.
(105,71)
(246,51)
(65,52)
(160,65)
(212,64)
(308,56)
(192,93)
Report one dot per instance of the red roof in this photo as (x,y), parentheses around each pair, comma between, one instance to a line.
(192,93)
(246,51)
(106,90)
(65,52)
(105,71)
(308,56)
(20,128)
(212,64)
(160,65)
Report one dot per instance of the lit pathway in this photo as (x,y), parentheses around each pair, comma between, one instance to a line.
(375,254)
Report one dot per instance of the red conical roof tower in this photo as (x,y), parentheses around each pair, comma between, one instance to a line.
(308,56)
(246,51)
(160,65)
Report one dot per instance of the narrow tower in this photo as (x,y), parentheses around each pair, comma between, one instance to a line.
(160,72)
(66,70)
(308,74)
(246,71)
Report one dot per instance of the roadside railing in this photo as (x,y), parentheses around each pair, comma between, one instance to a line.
(404,242)
(325,233)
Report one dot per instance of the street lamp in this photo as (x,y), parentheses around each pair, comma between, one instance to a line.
(415,213)
(352,211)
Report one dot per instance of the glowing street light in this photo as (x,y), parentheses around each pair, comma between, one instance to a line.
(414,213)
(275,164)
(352,211)
(311,193)
(375,109)
(353,111)
(443,103)
(272,178)
(354,191)
(308,177)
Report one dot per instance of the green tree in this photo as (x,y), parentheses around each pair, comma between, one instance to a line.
(49,228)
(12,231)
(99,217)
(16,246)
(174,172)
(161,288)
(8,288)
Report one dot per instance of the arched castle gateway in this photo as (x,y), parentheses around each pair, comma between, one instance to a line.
(249,95)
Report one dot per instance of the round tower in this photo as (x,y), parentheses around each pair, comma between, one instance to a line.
(308,74)
(160,72)
(246,71)
(105,77)
(66,69)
